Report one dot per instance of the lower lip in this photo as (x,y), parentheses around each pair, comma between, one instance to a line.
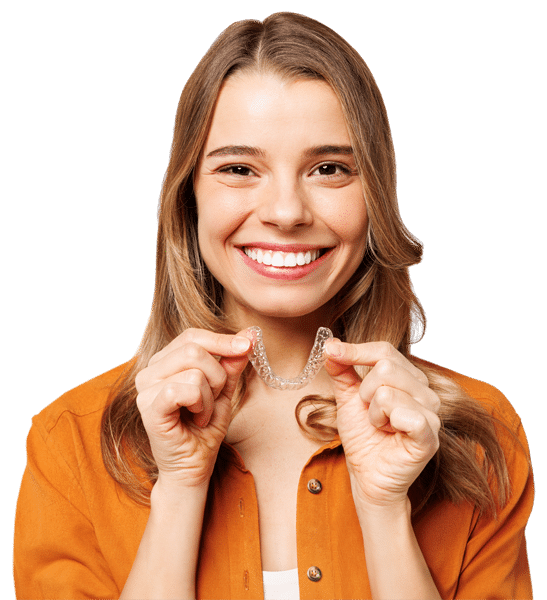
(285,273)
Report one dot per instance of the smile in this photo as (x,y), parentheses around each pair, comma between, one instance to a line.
(276,258)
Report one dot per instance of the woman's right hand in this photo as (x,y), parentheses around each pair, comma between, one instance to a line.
(184,397)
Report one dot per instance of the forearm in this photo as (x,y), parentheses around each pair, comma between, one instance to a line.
(166,561)
(396,566)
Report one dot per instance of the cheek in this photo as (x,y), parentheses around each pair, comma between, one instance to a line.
(220,214)
(350,222)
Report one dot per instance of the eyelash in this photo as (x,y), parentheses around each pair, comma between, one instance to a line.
(343,168)
(229,169)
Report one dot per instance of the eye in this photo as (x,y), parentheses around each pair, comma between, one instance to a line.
(332,170)
(238,170)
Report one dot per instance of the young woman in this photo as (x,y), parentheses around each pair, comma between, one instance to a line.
(182,474)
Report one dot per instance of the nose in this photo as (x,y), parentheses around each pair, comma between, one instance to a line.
(285,204)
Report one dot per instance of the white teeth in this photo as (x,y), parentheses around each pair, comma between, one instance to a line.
(282,259)
(290,260)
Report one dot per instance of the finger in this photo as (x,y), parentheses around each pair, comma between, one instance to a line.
(158,404)
(186,357)
(417,426)
(384,412)
(233,367)
(217,344)
(391,374)
(368,354)
(203,409)
(345,380)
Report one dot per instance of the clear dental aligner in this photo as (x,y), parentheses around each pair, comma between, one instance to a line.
(317,359)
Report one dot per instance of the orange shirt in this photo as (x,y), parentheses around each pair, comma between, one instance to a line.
(77,533)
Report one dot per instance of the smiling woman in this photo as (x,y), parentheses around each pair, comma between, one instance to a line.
(181,473)
(283,193)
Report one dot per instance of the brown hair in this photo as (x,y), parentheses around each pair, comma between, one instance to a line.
(377,303)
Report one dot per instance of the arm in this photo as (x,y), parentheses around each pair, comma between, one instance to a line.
(393,403)
(62,546)
(166,562)
(395,563)
(56,552)
(185,403)
(495,564)
(389,429)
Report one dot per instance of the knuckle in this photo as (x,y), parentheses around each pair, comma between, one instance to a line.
(384,394)
(386,350)
(139,381)
(422,377)
(169,390)
(194,377)
(435,403)
(140,402)
(193,351)
(189,334)
(435,423)
(155,358)
(384,367)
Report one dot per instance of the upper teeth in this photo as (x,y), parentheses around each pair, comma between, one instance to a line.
(282,259)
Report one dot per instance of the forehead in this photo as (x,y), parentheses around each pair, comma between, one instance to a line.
(254,107)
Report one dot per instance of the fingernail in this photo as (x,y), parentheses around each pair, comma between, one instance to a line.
(240,344)
(334,348)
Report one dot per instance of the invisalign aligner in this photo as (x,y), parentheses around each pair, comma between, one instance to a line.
(260,362)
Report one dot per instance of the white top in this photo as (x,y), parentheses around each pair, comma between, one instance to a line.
(281,585)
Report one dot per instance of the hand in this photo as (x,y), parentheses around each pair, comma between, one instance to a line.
(184,397)
(387,422)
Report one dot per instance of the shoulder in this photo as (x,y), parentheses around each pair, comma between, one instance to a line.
(488,396)
(83,403)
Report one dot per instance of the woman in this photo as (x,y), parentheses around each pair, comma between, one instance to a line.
(396,479)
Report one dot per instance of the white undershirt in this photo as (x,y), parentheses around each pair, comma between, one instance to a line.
(281,585)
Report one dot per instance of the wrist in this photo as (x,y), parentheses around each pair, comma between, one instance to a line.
(175,493)
(385,517)
(381,504)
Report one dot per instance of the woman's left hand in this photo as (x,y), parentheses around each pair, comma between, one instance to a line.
(387,422)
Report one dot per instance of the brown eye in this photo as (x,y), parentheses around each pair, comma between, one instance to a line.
(327,169)
(331,170)
(240,170)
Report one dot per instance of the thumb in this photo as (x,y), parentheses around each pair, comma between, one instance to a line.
(345,380)
(234,366)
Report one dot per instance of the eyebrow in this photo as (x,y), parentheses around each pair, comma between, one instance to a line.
(329,149)
(237,151)
(259,153)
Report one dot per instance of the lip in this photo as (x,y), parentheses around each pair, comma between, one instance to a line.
(284,273)
(282,247)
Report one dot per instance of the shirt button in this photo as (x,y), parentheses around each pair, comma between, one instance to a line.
(314,486)
(314,574)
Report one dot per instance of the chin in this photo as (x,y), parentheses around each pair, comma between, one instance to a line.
(287,309)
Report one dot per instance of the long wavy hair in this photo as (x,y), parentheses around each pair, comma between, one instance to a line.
(377,303)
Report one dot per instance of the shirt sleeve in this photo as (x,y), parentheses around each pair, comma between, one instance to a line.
(56,553)
(495,565)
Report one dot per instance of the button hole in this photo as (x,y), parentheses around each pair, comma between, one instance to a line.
(246,580)
(241,508)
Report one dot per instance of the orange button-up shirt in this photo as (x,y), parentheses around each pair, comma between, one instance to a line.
(77,533)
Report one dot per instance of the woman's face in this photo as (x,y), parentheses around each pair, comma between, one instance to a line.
(281,213)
